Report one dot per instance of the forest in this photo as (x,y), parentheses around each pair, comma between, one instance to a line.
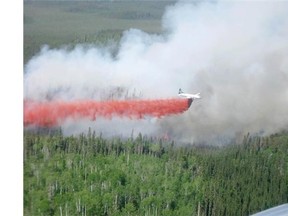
(92,175)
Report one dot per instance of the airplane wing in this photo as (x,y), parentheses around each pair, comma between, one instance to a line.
(281,210)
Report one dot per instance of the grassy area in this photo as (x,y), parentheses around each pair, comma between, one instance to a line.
(59,23)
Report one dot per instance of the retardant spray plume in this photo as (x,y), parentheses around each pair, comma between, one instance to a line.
(54,113)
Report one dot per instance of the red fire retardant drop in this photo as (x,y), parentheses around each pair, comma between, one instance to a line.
(53,113)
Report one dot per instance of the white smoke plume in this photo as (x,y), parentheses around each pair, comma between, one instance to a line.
(234,53)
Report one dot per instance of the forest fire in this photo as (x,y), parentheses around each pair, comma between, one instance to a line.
(54,113)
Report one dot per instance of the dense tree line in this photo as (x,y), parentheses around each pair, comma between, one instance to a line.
(90,175)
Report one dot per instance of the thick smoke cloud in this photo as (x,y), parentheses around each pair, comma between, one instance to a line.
(234,53)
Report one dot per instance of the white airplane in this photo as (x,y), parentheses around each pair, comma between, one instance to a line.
(189,96)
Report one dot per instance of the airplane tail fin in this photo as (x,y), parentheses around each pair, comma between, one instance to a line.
(180,91)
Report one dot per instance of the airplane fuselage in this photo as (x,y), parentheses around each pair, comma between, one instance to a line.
(191,96)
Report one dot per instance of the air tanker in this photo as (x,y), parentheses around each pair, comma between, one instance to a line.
(189,96)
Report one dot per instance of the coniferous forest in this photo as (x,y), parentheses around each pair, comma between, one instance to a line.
(90,175)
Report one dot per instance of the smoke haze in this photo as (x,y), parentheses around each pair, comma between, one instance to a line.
(234,53)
